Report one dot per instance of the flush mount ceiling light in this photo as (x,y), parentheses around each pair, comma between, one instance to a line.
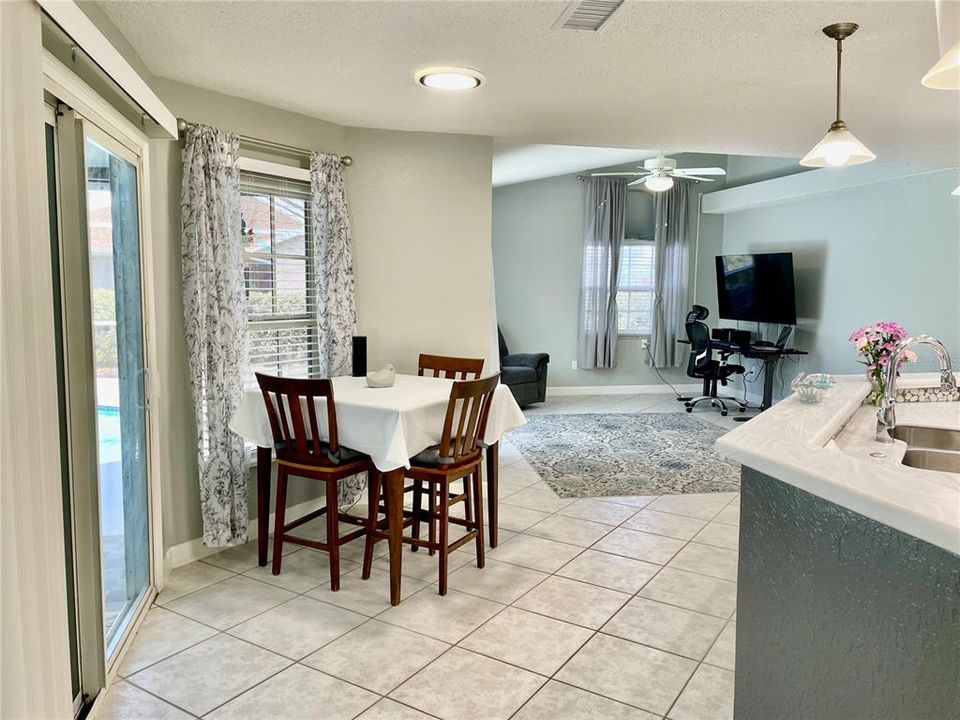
(450,78)
(839,148)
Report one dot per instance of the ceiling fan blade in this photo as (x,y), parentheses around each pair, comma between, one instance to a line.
(700,171)
(695,177)
(642,173)
(637,182)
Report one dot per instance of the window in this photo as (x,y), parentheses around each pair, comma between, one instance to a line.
(635,289)
(276,226)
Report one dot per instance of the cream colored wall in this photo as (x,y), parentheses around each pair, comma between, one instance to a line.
(421,210)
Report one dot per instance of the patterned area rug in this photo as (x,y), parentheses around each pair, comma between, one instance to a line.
(594,455)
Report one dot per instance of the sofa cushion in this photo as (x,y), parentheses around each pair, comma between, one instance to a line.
(513,375)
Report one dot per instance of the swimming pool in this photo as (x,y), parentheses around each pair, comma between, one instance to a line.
(108,434)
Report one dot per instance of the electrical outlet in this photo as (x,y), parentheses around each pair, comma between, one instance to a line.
(573,365)
(644,343)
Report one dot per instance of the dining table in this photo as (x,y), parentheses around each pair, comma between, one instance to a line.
(390,425)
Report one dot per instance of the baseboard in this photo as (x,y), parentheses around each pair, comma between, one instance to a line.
(621,389)
(193,550)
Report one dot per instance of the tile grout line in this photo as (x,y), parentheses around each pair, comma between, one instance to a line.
(554,573)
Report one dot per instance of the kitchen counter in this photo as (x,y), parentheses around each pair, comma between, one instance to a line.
(825,449)
(848,580)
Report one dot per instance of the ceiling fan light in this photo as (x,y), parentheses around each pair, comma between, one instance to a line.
(945,74)
(838,148)
(658,183)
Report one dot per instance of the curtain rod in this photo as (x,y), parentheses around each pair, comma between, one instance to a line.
(345,160)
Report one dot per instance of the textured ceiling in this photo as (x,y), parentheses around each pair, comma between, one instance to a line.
(753,78)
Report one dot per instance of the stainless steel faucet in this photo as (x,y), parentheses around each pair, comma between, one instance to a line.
(886,415)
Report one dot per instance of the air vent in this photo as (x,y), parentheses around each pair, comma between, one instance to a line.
(590,15)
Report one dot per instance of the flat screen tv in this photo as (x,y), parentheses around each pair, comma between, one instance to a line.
(757,288)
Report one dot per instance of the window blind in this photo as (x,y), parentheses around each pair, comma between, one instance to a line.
(635,288)
(277,231)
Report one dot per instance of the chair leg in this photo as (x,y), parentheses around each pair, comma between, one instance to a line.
(444,521)
(468,498)
(417,505)
(432,505)
(279,512)
(478,512)
(374,481)
(333,534)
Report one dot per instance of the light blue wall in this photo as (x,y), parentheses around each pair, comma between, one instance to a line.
(886,251)
(537,240)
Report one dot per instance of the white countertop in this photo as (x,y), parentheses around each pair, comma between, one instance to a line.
(825,449)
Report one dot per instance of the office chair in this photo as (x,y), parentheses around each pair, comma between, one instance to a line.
(702,365)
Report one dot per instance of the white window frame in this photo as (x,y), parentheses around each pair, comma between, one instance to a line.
(651,288)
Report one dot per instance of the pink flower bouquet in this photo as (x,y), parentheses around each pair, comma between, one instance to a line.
(876,344)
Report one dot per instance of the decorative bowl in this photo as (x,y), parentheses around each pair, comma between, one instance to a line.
(382,378)
(811,387)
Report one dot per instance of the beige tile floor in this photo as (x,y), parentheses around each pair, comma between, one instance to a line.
(619,608)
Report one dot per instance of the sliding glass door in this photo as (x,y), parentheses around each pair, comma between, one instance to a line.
(94,193)
(113,243)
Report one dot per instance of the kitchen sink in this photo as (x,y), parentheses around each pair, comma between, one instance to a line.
(926,459)
(930,448)
(928,437)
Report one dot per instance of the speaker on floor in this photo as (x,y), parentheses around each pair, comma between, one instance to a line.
(359,355)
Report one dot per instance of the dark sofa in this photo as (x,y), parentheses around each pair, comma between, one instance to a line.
(524,374)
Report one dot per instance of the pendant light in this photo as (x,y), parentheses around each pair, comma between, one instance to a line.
(839,148)
(945,74)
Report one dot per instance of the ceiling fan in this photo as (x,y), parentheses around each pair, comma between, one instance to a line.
(658,174)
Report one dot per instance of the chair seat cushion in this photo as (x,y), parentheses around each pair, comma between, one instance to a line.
(728,370)
(343,456)
(430,457)
(513,375)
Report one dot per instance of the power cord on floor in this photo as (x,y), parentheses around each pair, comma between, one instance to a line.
(653,364)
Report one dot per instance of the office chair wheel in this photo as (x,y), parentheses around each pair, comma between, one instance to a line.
(723,413)
(689,408)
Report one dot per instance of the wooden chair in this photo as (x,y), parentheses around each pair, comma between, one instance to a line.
(301,452)
(458,456)
(452,368)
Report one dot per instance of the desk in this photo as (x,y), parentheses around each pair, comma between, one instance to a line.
(391,425)
(770,355)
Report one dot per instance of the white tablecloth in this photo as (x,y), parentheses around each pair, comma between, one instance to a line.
(391,425)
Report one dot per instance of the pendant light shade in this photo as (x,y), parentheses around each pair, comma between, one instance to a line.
(839,147)
(945,75)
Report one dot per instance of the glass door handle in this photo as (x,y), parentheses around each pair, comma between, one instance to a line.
(144,377)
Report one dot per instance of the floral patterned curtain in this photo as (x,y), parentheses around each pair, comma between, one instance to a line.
(214,312)
(333,270)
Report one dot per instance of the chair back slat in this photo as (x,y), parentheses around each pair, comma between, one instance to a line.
(299,437)
(451,368)
(284,399)
(467,411)
(317,444)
